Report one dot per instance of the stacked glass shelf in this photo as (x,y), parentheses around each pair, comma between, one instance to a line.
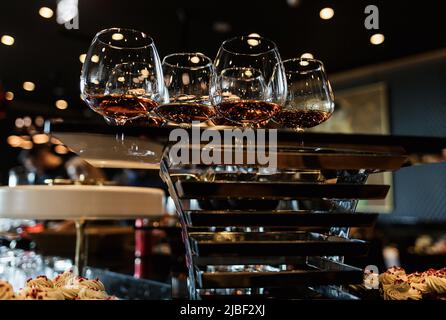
(252,232)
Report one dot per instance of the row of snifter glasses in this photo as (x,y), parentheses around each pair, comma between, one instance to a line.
(248,84)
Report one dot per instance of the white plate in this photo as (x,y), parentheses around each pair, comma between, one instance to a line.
(80,202)
(104,151)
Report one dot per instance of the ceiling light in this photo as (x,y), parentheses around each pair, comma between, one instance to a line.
(377,38)
(117,36)
(95,58)
(41,138)
(195,59)
(61,104)
(293,3)
(221,26)
(9,95)
(7,40)
(46,12)
(307,55)
(39,121)
(145,73)
(253,42)
(185,79)
(29,86)
(27,145)
(61,149)
(27,121)
(254,35)
(19,123)
(326,13)
(82,57)
(14,141)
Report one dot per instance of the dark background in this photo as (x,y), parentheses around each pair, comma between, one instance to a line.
(417,106)
(48,54)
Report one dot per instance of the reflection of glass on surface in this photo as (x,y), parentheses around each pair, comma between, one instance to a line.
(21,176)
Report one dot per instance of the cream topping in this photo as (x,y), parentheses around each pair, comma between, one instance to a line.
(436,284)
(40,282)
(391,275)
(89,294)
(6,291)
(63,279)
(33,293)
(389,278)
(89,284)
(401,291)
(398,271)
(70,292)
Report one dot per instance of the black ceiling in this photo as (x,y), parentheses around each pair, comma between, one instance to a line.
(48,54)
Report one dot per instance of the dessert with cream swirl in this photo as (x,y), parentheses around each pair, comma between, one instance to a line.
(63,279)
(65,286)
(34,293)
(436,284)
(40,282)
(82,282)
(430,284)
(6,291)
(400,290)
(391,275)
(90,294)
(70,292)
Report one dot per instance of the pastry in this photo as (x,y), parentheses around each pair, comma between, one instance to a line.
(65,286)
(396,285)
(391,275)
(90,294)
(6,291)
(400,290)
(40,282)
(82,282)
(63,279)
(34,293)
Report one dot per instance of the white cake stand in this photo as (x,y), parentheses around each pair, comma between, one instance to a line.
(80,203)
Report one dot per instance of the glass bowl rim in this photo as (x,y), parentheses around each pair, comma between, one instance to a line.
(118,30)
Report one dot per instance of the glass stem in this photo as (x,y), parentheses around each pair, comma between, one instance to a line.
(81,247)
(120,137)
(300,130)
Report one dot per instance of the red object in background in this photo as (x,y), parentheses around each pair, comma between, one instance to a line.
(152,253)
(139,270)
(143,249)
(143,242)
(3,103)
(37,228)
